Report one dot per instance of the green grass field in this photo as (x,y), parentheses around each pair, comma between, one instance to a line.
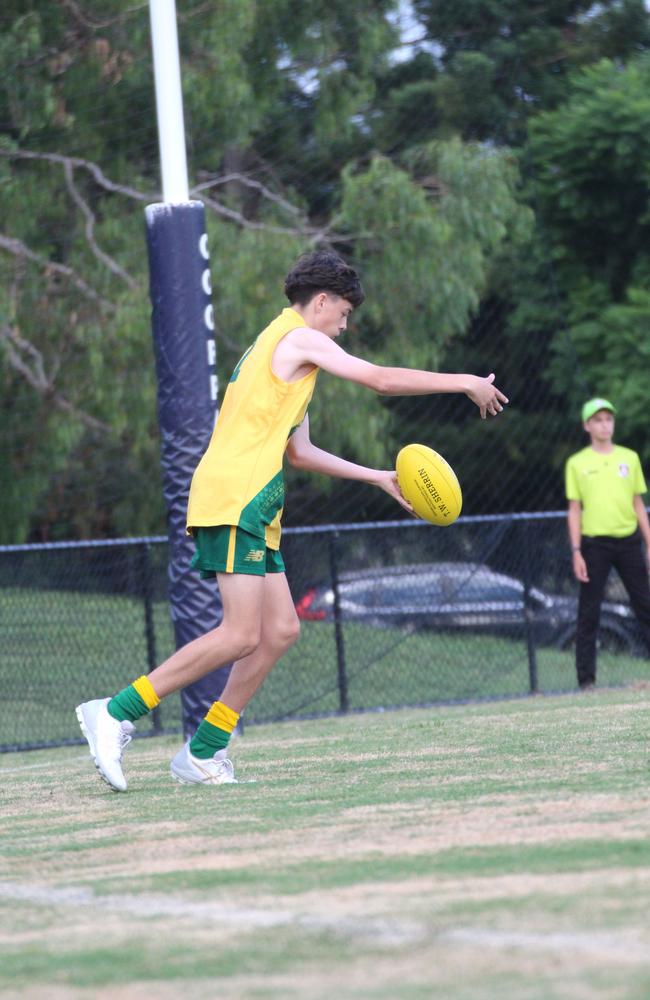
(486,851)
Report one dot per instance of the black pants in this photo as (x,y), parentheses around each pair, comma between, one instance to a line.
(600,554)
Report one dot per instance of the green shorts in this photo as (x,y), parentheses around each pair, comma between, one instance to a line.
(228,549)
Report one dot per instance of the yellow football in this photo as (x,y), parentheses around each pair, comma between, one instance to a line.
(429,484)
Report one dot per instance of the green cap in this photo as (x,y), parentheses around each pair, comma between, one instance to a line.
(594,405)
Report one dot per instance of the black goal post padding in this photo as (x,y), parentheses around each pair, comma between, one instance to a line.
(183,334)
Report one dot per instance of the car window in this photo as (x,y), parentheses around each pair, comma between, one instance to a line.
(429,587)
(415,590)
(393,590)
(482,587)
(495,591)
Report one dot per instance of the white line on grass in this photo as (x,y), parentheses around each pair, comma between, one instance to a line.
(620,946)
(34,767)
(386,931)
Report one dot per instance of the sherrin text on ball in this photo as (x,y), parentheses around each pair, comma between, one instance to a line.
(429,484)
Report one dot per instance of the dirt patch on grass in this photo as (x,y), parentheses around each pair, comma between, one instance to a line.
(371,897)
(401,829)
(393,829)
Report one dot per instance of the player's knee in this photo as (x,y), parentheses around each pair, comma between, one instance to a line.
(242,641)
(286,633)
(293,631)
(248,642)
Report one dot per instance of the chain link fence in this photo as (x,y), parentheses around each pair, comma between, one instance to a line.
(393,614)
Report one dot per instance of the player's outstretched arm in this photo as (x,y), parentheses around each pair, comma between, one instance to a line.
(307,346)
(303,454)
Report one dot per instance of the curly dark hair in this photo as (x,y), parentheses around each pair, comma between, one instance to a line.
(322,271)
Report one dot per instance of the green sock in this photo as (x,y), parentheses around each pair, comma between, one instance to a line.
(214,732)
(208,740)
(134,701)
(127,705)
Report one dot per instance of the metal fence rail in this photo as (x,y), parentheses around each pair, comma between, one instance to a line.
(393,614)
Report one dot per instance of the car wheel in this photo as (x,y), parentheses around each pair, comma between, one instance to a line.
(610,641)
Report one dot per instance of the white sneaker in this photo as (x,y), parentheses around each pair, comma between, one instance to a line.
(107,738)
(191,770)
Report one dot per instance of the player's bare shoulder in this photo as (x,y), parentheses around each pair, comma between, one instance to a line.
(292,355)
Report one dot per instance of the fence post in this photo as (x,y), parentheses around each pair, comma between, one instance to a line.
(529,618)
(146,584)
(344,704)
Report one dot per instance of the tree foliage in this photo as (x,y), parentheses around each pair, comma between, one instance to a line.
(506,61)
(491,184)
(592,191)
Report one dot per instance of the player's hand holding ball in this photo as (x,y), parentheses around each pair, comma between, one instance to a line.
(387,481)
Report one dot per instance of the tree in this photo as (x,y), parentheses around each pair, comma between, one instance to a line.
(304,129)
(75,345)
(593,191)
(505,61)
(590,161)
(78,153)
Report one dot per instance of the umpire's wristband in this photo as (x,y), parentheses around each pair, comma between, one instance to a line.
(575,548)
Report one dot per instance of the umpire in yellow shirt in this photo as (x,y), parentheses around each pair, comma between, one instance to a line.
(607,523)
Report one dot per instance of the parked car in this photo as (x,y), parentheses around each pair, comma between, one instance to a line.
(458,596)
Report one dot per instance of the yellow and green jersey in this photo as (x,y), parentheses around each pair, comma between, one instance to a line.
(239,480)
(606,486)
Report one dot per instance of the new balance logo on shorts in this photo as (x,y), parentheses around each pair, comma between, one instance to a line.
(255,555)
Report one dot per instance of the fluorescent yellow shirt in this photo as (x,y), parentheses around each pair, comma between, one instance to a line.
(606,486)
(239,480)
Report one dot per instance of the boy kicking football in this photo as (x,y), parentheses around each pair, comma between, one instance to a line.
(235,505)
